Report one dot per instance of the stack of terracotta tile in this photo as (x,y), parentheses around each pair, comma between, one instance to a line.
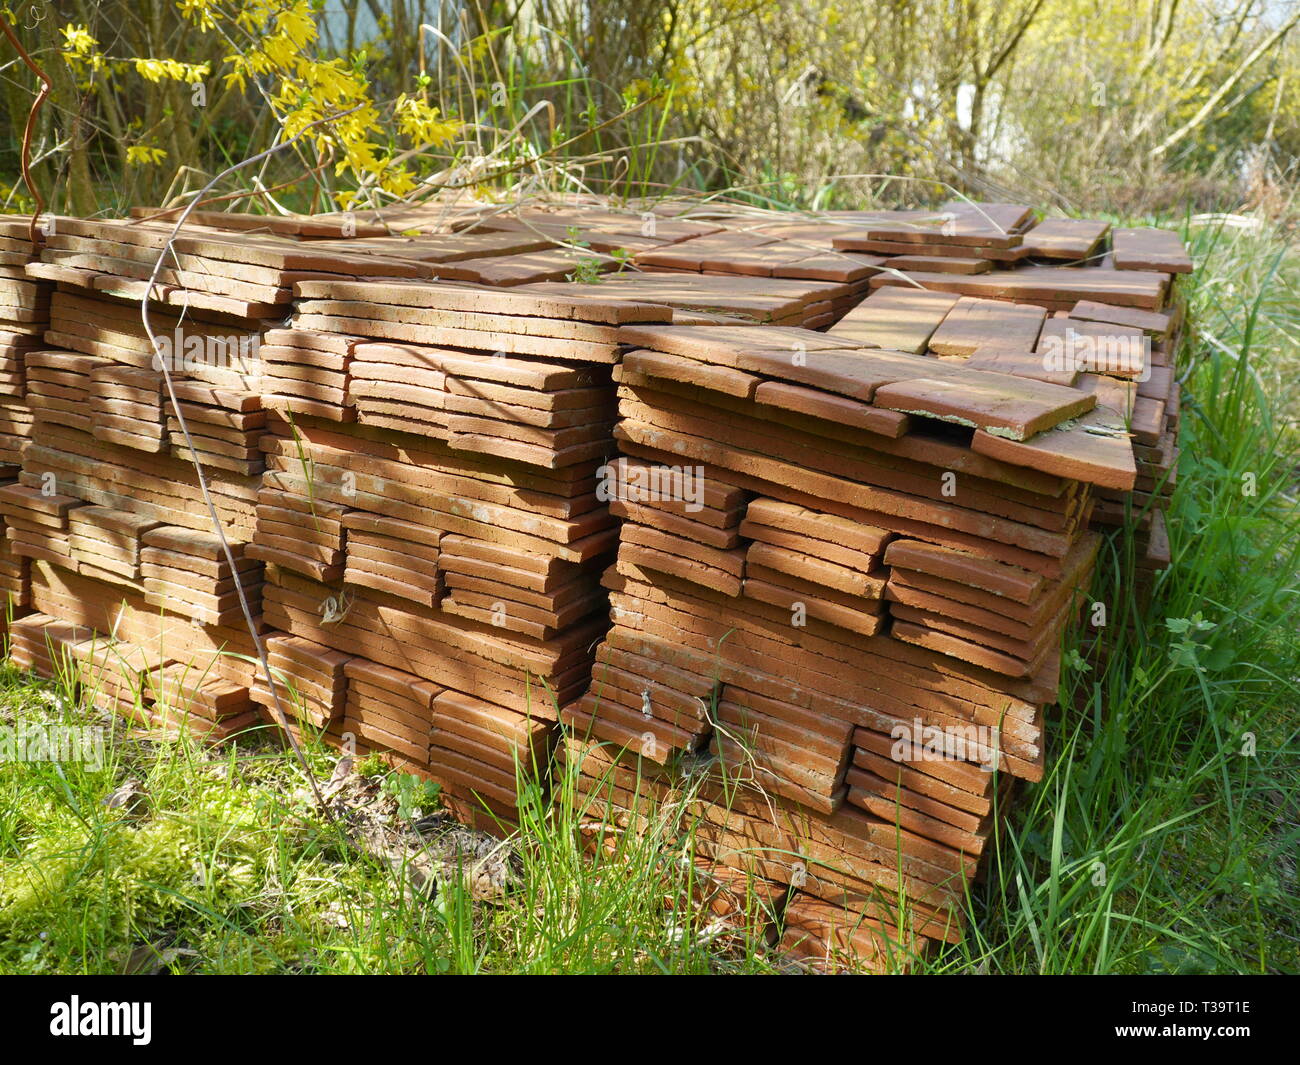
(400,387)
(307,372)
(675,525)
(16,423)
(132,569)
(934,789)
(120,612)
(310,678)
(548,264)
(482,749)
(111,674)
(471,746)
(24,316)
(157,486)
(15,574)
(518,408)
(961,237)
(638,699)
(390,709)
(485,749)
(1116,316)
(520,392)
(301,227)
(464,316)
(296,530)
(225,427)
(37,522)
(1054,288)
(514,545)
(1112,326)
(548,243)
(24,303)
(435,244)
(465,514)
(126,407)
(183,696)
(763,301)
(155,668)
(187,572)
(105,544)
(13,361)
(829,564)
(221,349)
(846,563)
(501,258)
(416,515)
(393,555)
(58,388)
(999,616)
(759,256)
(848,864)
(528,410)
(15,244)
(209,269)
(43,644)
(1148,400)
(526,591)
(520,675)
(600,226)
(549,512)
(138,683)
(840,454)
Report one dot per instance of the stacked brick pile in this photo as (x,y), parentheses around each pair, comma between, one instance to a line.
(107,512)
(750,610)
(735,498)
(24,317)
(443,551)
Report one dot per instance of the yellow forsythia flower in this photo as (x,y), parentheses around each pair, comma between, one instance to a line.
(77,39)
(144,155)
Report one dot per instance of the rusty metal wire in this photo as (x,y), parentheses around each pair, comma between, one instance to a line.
(34,231)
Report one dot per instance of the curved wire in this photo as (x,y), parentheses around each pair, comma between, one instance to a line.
(47,87)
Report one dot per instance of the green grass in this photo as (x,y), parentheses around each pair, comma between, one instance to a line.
(1152,844)
(224,866)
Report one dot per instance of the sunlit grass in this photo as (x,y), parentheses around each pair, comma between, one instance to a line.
(1164,833)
